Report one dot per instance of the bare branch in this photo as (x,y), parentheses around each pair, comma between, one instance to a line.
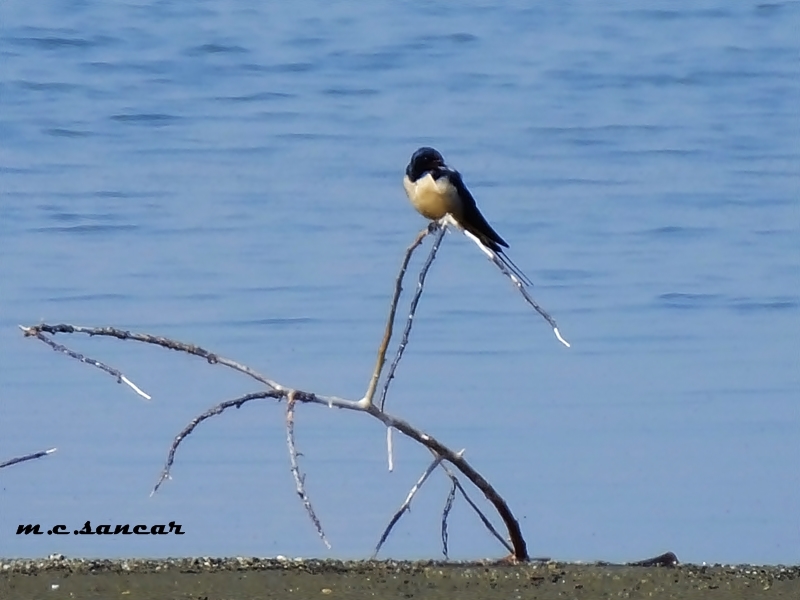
(517,541)
(277,391)
(155,340)
(448,506)
(33,332)
(406,505)
(300,479)
(27,457)
(387,334)
(212,358)
(520,550)
(211,412)
(411,312)
(486,522)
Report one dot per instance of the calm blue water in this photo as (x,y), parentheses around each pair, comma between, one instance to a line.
(229,174)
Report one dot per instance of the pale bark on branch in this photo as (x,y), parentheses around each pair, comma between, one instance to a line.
(276,391)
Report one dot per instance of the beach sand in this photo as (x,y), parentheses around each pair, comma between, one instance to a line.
(59,578)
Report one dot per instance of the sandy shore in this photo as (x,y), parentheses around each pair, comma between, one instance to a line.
(58,577)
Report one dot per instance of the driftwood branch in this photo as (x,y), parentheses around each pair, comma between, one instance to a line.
(27,457)
(278,391)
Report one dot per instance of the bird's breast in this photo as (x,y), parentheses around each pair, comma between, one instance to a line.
(433,198)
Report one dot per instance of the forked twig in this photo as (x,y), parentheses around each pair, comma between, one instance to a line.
(411,312)
(518,542)
(484,519)
(212,358)
(520,550)
(299,478)
(146,338)
(211,412)
(406,505)
(33,331)
(387,334)
(33,456)
(442,453)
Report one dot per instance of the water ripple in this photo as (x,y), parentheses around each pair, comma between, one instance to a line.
(148,119)
(688,301)
(60,43)
(350,92)
(85,229)
(750,305)
(698,301)
(677,231)
(258,97)
(280,322)
(80,298)
(66,133)
(216,49)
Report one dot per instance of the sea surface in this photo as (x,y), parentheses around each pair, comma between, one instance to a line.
(229,174)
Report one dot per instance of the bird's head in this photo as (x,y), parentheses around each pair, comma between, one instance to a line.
(422,161)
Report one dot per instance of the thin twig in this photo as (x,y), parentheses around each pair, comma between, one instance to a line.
(515,535)
(211,412)
(146,338)
(390,448)
(32,331)
(411,312)
(486,522)
(519,547)
(519,284)
(406,504)
(387,334)
(212,358)
(448,506)
(299,478)
(27,457)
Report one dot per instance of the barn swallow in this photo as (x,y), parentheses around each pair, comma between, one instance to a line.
(436,190)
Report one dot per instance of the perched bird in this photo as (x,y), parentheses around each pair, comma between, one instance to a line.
(436,190)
